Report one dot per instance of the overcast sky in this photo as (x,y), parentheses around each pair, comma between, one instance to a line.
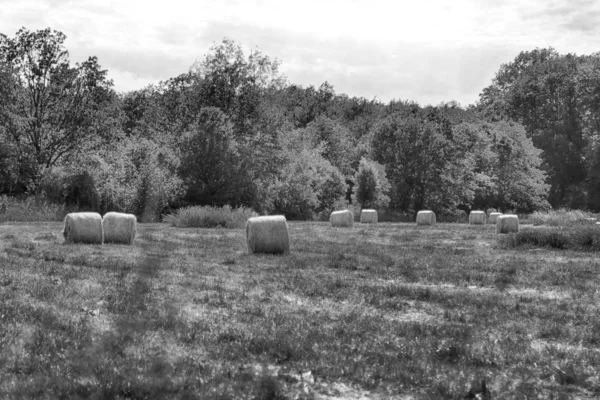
(423,50)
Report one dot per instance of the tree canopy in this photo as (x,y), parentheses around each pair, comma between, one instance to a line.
(233,131)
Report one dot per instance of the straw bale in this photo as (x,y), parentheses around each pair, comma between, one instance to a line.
(425,217)
(507,223)
(342,219)
(83,227)
(119,227)
(368,217)
(267,234)
(477,218)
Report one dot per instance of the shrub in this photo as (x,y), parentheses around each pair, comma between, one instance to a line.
(210,217)
(560,217)
(585,237)
(31,209)
(575,237)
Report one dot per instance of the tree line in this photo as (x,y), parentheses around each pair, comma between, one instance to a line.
(232,130)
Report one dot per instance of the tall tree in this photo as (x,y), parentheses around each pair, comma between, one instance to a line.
(210,162)
(425,166)
(57,109)
(539,89)
(371,185)
(506,167)
(235,83)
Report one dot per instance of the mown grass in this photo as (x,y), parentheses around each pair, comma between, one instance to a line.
(386,311)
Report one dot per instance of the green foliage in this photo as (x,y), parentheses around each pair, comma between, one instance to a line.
(210,163)
(426,167)
(371,185)
(304,105)
(593,200)
(308,184)
(561,217)
(507,169)
(555,98)
(56,109)
(210,217)
(16,174)
(81,192)
(156,183)
(234,83)
(338,147)
(136,177)
(30,209)
(366,187)
(233,131)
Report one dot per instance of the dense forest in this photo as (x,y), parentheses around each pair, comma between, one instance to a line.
(233,131)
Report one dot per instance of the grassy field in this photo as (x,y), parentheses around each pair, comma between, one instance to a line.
(389,311)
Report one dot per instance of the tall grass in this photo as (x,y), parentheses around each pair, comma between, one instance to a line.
(30,209)
(560,217)
(210,217)
(574,237)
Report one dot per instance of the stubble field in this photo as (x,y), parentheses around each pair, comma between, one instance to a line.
(385,311)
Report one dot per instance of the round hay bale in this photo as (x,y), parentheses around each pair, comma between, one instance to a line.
(493,217)
(119,227)
(83,227)
(268,234)
(342,219)
(425,217)
(477,218)
(507,223)
(368,217)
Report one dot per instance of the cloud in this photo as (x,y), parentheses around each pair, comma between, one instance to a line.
(144,65)
(585,22)
(562,17)
(388,70)
(427,51)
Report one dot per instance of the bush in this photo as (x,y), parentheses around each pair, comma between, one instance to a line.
(307,186)
(30,209)
(210,217)
(458,216)
(560,217)
(575,237)
(585,237)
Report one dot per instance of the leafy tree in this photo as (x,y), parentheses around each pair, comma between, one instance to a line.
(594,183)
(507,167)
(303,105)
(234,84)
(307,185)
(338,147)
(425,164)
(539,89)
(58,109)
(9,165)
(371,186)
(134,176)
(210,163)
